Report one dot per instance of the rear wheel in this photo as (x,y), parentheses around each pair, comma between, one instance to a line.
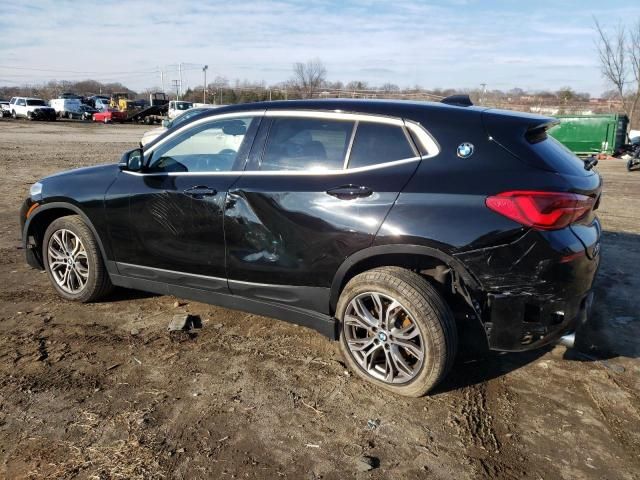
(396,330)
(73,261)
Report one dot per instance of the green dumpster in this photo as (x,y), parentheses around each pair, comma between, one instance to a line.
(589,134)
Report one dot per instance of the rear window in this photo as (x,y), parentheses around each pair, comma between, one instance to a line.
(377,143)
(558,157)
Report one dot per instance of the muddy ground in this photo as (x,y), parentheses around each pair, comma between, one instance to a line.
(103,391)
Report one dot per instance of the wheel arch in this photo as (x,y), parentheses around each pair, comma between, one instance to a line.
(37,223)
(423,259)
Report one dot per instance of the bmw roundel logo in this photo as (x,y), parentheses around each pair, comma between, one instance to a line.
(465,150)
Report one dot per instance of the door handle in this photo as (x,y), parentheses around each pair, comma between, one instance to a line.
(348,192)
(200,191)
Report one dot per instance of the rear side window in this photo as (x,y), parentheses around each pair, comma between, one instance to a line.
(558,157)
(306,144)
(377,143)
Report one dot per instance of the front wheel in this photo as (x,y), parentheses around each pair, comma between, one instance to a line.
(73,261)
(396,330)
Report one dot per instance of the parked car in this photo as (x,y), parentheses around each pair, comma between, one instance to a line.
(109,116)
(85,112)
(31,108)
(393,227)
(176,107)
(167,124)
(5,109)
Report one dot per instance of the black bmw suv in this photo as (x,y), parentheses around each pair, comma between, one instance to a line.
(393,227)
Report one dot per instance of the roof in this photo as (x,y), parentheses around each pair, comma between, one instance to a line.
(380,107)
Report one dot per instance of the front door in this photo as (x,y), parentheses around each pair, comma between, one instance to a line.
(174,230)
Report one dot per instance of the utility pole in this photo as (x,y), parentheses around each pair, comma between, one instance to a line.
(204,87)
(162,80)
(484,91)
(180,70)
(176,85)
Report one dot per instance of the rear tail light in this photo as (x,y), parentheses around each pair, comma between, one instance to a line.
(541,210)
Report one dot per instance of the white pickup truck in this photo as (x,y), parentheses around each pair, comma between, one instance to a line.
(177,107)
(31,108)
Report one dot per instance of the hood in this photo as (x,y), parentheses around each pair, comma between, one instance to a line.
(85,171)
(151,135)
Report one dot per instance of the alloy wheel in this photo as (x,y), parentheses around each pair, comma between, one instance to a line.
(383,338)
(68,261)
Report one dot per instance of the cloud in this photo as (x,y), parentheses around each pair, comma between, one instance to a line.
(458,44)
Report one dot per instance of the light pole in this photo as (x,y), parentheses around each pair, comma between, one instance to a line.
(204,88)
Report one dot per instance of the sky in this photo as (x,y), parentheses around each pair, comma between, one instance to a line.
(435,44)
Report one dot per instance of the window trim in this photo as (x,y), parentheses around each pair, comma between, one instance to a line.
(424,137)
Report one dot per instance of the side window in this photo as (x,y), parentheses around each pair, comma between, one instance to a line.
(377,143)
(22,102)
(208,147)
(306,144)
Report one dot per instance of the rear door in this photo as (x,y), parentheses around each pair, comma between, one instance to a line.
(316,189)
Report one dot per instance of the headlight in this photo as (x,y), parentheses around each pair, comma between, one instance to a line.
(36,191)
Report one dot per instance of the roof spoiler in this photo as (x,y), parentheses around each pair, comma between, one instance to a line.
(458,100)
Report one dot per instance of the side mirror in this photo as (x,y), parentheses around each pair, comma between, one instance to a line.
(166,123)
(132,160)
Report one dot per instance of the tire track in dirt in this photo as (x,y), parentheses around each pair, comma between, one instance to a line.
(620,426)
(484,420)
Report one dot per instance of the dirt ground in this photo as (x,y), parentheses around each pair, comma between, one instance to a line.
(103,391)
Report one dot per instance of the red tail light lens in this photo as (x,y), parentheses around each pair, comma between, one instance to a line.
(541,210)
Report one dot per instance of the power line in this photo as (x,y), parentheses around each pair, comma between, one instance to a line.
(36,69)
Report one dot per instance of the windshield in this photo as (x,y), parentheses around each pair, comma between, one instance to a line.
(36,102)
(183,105)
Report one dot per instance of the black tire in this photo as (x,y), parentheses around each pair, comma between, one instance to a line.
(98,283)
(14,115)
(29,116)
(432,317)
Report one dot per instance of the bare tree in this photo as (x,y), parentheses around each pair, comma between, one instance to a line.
(620,62)
(309,77)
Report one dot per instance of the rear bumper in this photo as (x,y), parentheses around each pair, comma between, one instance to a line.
(535,289)
(516,326)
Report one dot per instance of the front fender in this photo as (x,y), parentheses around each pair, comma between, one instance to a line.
(47,213)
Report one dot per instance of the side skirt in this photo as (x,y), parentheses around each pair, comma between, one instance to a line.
(322,323)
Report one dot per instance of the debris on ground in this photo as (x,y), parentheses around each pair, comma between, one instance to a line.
(184,322)
(373,424)
(366,463)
